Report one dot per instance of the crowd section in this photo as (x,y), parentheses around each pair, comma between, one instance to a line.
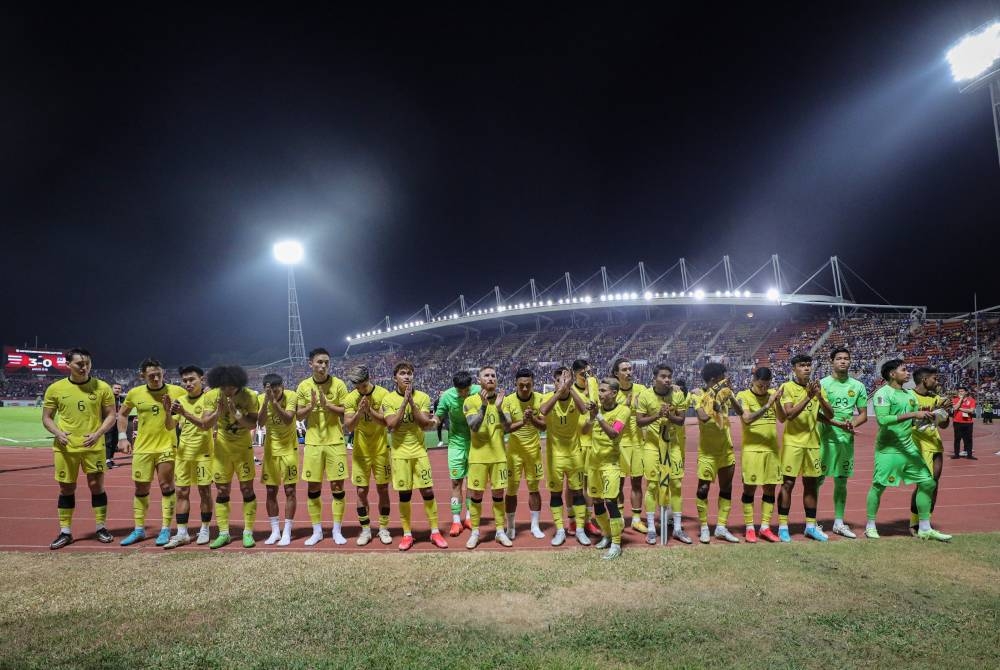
(740,342)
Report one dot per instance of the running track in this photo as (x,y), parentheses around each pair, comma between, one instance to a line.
(969,501)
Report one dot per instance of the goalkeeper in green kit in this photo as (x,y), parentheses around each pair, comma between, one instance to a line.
(897,459)
(836,435)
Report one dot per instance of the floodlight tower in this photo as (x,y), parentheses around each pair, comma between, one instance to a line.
(975,63)
(290,253)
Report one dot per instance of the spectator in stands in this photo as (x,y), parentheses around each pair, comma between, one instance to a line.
(964,406)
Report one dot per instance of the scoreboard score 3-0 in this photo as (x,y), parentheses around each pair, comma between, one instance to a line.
(31,360)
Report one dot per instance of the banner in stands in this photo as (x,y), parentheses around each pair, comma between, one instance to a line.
(29,360)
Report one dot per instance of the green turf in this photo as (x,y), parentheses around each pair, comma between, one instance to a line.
(896,602)
(22,427)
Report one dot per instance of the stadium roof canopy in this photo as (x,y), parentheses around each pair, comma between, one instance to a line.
(770,285)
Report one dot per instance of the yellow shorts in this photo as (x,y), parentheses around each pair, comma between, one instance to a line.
(412,473)
(364,466)
(281,469)
(709,465)
(604,481)
(630,461)
(68,463)
(193,470)
(526,464)
(802,461)
(929,455)
(144,465)
(481,473)
(564,466)
(760,467)
(328,458)
(226,463)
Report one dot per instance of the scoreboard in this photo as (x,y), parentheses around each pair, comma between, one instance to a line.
(31,360)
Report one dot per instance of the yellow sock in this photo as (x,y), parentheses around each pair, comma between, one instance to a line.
(339,505)
(65,517)
(101,515)
(650,498)
(404,516)
(766,511)
(167,504)
(811,521)
(675,495)
(383,520)
(315,506)
(140,504)
(702,510)
(783,520)
(914,519)
(431,510)
(580,514)
(475,513)
(222,517)
(249,515)
(617,524)
(725,504)
(748,514)
(603,521)
(557,519)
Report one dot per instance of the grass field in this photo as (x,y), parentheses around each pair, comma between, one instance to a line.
(891,603)
(22,427)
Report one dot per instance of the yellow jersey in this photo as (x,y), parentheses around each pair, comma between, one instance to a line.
(154,436)
(925,433)
(632,434)
(803,430)
(762,434)
(194,440)
(606,451)
(407,437)
(229,434)
(680,403)
(589,396)
(369,434)
(322,426)
(487,442)
(714,437)
(527,436)
(281,439)
(649,404)
(562,426)
(79,410)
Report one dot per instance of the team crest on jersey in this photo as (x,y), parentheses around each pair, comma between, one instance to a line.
(788,468)
(892,479)
(309,473)
(475,482)
(850,394)
(92,396)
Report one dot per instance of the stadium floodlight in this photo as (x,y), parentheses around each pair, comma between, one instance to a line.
(718,294)
(746,294)
(772,294)
(647,295)
(586,299)
(699,294)
(976,53)
(975,63)
(288,252)
(291,253)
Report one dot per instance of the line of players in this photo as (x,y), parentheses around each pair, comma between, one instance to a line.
(599,434)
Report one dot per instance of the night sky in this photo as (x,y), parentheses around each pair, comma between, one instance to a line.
(153,159)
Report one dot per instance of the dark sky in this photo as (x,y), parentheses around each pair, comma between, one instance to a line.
(151,160)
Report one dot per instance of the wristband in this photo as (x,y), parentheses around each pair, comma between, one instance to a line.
(600,417)
(122,436)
